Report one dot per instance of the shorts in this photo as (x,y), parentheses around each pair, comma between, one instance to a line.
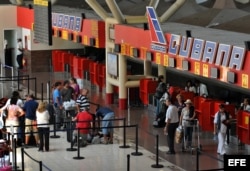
(28,126)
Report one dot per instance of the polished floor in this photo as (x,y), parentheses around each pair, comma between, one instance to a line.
(111,157)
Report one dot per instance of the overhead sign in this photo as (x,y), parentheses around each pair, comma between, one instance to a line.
(67,22)
(157,37)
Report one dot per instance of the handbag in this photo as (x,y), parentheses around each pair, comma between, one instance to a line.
(179,134)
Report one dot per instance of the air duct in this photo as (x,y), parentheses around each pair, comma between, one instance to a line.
(117,14)
(173,8)
(98,9)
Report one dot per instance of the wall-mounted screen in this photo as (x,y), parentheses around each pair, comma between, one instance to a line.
(112,64)
(117,48)
(111,33)
(231,77)
(136,52)
(79,39)
(92,41)
(149,56)
(214,73)
(171,62)
(185,65)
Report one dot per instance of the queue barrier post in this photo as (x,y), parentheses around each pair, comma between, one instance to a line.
(78,157)
(54,125)
(124,135)
(128,162)
(71,136)
(157,165)
(136,153)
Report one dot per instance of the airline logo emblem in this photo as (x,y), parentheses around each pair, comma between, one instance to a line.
(157,35)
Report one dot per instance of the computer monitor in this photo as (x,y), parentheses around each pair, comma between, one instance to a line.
(136,52)
(214,73)
(171,62)
(112,64)
(231,77)
(149,56)
(185,65)
(117,48)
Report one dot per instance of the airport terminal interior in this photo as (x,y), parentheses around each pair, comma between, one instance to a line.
(139,148)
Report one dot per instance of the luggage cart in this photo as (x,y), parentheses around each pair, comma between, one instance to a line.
(193,126)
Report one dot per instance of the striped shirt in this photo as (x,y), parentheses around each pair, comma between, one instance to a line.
(82,102)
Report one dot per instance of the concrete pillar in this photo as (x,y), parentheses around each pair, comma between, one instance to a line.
(147,67)
(122,65)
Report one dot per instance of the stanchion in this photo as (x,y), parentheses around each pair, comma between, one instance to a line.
(78,157)
(197,158)
(124,135)
(22,157)
(18,81)
(136,153)
(55,136)
(157,165)
(71,142)
(14,166)
(128,162)
(42,92)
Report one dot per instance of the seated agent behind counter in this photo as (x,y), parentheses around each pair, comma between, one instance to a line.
(107,115)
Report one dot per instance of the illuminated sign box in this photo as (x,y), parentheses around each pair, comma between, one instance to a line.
(59,33)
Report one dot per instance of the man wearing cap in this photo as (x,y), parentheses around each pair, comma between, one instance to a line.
(187,116)
(221,122)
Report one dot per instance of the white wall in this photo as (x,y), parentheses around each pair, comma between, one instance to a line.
(7,21)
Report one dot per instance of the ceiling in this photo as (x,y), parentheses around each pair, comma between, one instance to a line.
(230,15)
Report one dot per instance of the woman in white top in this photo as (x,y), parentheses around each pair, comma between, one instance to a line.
(187,115)
(42,117)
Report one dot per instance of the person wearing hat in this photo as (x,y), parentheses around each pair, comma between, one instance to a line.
(187,116)
(221,123)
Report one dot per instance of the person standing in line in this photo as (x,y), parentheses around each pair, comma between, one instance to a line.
(221,122)
(82,102)
(43,117)
(67,92)
(172,122)
(19,53)
(20,129)
(106,114)
(75,86)
(14,112)
(58,104)
(30,107)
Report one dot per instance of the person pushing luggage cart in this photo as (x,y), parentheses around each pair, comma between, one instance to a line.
(188,121)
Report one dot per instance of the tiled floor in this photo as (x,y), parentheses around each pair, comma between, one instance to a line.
(111,157)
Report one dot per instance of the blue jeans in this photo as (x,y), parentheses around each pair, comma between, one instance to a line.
(107,124)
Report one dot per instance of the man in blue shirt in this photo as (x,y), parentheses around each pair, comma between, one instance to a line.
(106,114)
(58,104)
(29,108)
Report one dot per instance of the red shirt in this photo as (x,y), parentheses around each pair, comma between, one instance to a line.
(87,118)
